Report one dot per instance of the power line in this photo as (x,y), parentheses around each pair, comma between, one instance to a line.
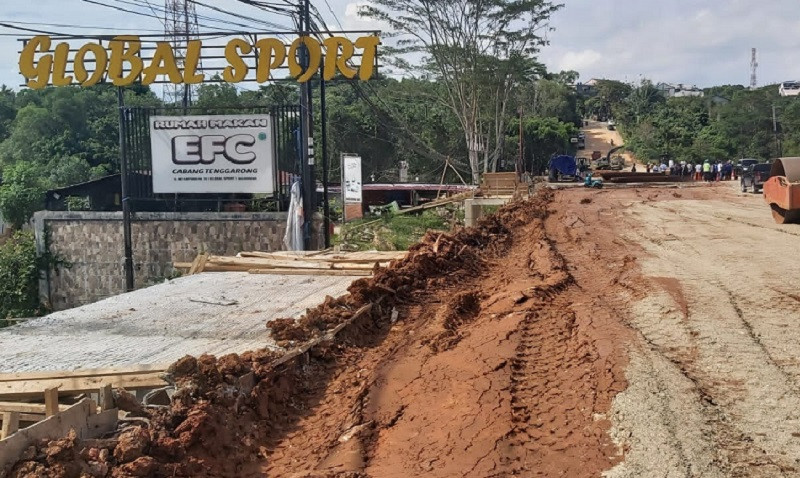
(281,11)
(149,15)
(68,25)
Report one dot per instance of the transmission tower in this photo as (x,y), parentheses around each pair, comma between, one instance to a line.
(180,26)
(753,68)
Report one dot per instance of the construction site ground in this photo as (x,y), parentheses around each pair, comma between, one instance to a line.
(630,332)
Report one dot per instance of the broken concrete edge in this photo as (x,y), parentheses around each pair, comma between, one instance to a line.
(81,417)
(328,336)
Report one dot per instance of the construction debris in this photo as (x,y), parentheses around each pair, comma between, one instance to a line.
(289,263)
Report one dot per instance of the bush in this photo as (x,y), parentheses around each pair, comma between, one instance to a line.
(19,277)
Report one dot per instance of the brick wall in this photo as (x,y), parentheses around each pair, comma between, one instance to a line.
(353,211)
(93,243)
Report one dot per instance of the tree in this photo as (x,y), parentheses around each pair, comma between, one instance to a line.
(22,192)
(478,50)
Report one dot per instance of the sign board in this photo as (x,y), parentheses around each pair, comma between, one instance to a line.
(127,59)
(351,178)
(213,154)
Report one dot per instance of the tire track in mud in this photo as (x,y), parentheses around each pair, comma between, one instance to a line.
(498,376)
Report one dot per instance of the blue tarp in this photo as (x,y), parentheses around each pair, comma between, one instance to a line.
(564,164)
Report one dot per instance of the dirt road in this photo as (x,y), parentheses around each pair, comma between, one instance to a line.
(518,372)
(641,332)
(600,138)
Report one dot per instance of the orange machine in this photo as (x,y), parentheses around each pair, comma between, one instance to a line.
(782,190)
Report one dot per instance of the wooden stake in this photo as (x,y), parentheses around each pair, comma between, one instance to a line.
(51,402)
(10,424)
(106,397)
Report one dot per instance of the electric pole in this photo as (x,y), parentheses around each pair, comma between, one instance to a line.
(307,142)
(520,168)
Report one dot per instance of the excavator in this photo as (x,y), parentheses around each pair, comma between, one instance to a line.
(617,163)
(782,190)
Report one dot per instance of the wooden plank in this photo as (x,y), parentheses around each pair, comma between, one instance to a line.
(334,259)
(106,397)
(30,408)
(79,417)
(10,424)
(74,385)
(84,372)
(310,272)
(51,401)
(195,263)
(201,265)
(26,417)
(261,263)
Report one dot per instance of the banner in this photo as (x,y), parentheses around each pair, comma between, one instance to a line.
(213,154)
(351,181)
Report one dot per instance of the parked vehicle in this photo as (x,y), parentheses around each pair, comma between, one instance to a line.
(744,165)
(755,176)
(588,182)
(612,125)
(562,168)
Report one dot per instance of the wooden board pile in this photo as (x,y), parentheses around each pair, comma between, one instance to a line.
(293,263)
(27,398)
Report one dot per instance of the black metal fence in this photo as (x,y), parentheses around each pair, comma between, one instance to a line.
(137,160)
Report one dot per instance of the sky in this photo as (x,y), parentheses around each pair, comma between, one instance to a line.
(694,42)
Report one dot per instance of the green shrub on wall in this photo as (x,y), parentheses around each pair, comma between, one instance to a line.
(19,277)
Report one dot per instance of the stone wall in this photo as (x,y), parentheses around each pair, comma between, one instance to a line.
(93,243)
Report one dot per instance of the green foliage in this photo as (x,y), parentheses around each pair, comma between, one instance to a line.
(19,277)
(728,122)
(396,232)
(543,137)
(22,192)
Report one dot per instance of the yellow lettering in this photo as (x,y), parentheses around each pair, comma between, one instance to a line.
(163,63)
(60,77)
(271,55)
(370,46)
(100,64)
(334,61)
(314,58)
(190,75)
(125,48)
(236,70)
(37,73)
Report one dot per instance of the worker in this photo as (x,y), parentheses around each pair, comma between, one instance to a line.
(698,172)
(633,169)
(707,174)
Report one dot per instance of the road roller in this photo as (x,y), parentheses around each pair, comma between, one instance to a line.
(782,190)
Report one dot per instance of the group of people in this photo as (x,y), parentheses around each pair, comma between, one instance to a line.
(705,171)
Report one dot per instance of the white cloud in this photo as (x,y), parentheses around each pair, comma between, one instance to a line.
(687,41)
(579,60)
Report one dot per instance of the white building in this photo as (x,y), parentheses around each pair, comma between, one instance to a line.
(789,88)
(679,90)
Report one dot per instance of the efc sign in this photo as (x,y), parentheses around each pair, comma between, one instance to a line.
(123,61)
(212,154)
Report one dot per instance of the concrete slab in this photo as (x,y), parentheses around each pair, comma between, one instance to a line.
(217,313)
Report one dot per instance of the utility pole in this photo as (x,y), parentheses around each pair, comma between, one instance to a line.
(307,143)
(520,162)
(775,132)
